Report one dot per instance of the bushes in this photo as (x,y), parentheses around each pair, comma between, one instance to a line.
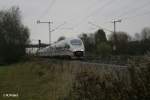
(136,85)
(103,49)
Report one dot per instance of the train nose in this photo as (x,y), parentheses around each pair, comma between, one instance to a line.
(78,53)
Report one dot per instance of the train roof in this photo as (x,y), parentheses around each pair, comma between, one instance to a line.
(61,42)
(65,40)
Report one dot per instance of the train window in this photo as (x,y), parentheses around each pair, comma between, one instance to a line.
(76,42)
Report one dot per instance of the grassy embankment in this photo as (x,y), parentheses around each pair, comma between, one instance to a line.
(71,80)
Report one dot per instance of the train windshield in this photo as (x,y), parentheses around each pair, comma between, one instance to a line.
(76,42)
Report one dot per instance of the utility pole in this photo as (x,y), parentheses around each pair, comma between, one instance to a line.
(115,36)
(115,21)
(49,27)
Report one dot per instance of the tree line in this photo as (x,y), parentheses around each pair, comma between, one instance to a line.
(119,43)
(13,35)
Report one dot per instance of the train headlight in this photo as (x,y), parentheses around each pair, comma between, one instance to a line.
(78,50)
(81,50)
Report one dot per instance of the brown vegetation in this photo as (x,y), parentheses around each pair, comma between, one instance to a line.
(43,79)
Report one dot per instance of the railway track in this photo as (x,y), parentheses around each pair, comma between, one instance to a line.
(98,63)
(91,61)
(105,61)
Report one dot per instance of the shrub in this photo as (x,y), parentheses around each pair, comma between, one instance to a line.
(136,85)
(103,49)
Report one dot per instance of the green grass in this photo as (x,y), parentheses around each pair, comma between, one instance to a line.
(34,81)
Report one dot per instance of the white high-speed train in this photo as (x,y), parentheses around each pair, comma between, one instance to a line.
(69,47)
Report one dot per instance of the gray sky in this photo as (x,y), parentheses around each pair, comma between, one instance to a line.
(77,14)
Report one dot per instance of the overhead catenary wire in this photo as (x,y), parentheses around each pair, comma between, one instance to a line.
(109,2)
(47,9)
(135,9)
(119,8)
(58,26)
(99,26)
(137,15)
(89,7)
(134,12)
(128,11)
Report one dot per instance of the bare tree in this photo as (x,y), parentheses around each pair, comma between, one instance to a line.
(145,34)
(121,40)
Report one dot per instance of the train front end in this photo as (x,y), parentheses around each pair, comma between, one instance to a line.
(77,47)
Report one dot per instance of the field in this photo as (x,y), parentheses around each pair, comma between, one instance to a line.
(44,79)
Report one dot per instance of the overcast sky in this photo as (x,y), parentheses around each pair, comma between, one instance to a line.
(75,16)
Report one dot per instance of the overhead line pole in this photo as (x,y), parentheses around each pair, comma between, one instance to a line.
(115,36)
(49,27)
(115,21)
